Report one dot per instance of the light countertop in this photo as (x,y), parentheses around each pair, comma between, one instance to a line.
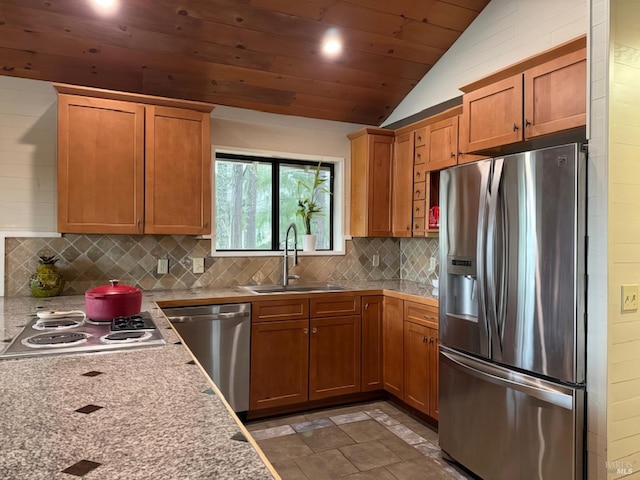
(160,418)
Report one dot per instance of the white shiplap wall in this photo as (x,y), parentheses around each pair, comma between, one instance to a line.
(623,396)
(27,155)
(505,32)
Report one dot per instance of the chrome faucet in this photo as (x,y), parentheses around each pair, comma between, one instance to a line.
(285,271)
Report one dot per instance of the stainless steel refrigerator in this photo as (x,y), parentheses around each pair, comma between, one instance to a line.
(512,315)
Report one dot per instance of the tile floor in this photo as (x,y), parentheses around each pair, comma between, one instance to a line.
(374,440)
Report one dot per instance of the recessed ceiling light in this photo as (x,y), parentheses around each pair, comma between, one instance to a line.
(105,7)
(332,43)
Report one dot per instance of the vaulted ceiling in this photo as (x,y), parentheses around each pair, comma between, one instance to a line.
(258,54)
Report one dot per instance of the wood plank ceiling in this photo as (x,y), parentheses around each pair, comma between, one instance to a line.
(257,54)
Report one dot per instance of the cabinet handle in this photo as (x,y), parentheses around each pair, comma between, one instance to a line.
(428,317)
(419,138)
(453,155)
(515,127)
(432,340)
(417,192)
(314,330)
(408,227)
(366,306)
(527,123)
(306,331)
(418,174)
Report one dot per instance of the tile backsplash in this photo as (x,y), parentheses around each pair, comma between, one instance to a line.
(415,255)
(87,261)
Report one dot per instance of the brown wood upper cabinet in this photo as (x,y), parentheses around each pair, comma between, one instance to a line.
(128,166)
(546,98)
(442,144)
(402,179)
(371,182)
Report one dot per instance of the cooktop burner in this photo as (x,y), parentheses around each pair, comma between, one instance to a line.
(58,324)
(58,339)
(55,336)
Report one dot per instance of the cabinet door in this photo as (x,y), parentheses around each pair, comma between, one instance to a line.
(334,359)
(392,346)
(279,363)
(442,144)
(402,179)
(100,165)
(555,95)
(492,115)
(334,304)
(178,171)
(434,373)
(417,366)
(371,183)
(372,342)
(380,186)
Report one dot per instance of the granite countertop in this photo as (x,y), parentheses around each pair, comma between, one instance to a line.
(159,415)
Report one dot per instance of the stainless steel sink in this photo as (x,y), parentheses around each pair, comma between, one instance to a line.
(323,287)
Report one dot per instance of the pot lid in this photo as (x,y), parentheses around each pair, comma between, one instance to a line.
(113,289)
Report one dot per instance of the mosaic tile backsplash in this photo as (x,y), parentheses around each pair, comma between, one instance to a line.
(414,259)
(87,261)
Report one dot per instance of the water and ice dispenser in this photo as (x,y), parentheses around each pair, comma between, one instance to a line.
(462,296)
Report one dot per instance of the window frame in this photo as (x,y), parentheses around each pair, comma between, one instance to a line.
(276,162)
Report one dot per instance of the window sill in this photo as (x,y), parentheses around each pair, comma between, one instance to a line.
(257,253)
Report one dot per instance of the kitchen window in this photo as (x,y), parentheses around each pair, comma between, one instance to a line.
(252,191)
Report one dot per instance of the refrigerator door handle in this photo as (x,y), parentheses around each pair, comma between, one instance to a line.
(483,322)
(545,391)
(494,296)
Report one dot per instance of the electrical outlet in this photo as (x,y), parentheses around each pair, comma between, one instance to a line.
(629,297)
(198,265)
(432,264)
(375,260)
(163,266)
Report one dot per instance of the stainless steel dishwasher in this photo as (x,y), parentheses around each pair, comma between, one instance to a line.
(219,336)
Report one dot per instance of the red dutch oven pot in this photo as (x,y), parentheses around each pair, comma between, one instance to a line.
(110,301)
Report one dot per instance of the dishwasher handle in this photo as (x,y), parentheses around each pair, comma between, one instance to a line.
(207,316)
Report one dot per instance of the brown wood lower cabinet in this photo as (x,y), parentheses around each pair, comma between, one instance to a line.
(279,363)
(372,312)
(296,359)
(392,346)
(334,357)
(421,357)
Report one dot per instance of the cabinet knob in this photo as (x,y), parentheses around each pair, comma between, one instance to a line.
(527,123)
(453,155)
(314,330)
(408,227)
(366,306)
(306,331)
(418,174)
(419,138)
(515,127)
(431,340)
(417,192)
(417,209)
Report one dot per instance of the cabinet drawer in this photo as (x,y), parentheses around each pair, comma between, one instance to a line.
(422,314)
(420,191)
(419,209)
(268,310)
(336,304)
(419,227)
(420,155)
(420,173)
(420,136)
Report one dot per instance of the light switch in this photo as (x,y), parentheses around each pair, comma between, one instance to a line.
(629,297)
(198,265)
(163,266)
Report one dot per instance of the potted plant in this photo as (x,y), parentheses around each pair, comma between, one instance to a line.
(308,206)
